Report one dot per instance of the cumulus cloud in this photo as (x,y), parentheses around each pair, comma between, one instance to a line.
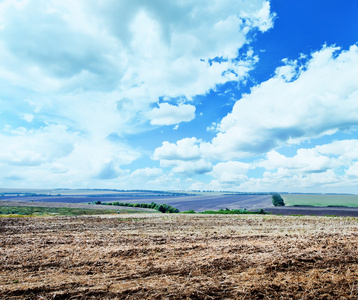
(306,161)
(285,181)
(353,171)
(321,99)
(331,156)
(185,149)
(54,154)
(231,172)
(168,114)
(190,168)
(108,171)
(147,173)
(142,49)
(345,150)
(31,148)
(97,68)
(183,157)
(331,166)
(300,102)
(151,178)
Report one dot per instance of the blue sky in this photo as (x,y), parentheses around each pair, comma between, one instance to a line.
(205,95)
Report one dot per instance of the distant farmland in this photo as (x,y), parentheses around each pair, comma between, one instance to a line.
(320,200)
(183,203)
(296,204)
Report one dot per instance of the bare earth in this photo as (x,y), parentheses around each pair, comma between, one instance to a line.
(183,203)
(70,205)
(156,256)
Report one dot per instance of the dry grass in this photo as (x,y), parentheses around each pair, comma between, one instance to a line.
(179,257)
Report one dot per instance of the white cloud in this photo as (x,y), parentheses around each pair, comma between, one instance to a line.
(344,149)
(231,172)
(28,117)
(332,156)
(54,155)
(147,173)
(145,50)
(183,157)
(260,19)
(353,171)
(282,181)
(185,149)
(331,167)
(150,178)
(96,68)
(301,102)
(30,148)
(168,114)
(321,100)
(306,160)
(190,168)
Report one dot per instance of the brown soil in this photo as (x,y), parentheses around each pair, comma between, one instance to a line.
(159,256)
(69,205)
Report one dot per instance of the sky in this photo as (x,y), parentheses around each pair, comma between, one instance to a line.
(224,95)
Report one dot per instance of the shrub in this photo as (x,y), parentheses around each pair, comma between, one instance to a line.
(234,212)
(164,208)
(189,212)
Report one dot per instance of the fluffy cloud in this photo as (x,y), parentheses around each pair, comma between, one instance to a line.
(168,114)
(24,147)
(300,102)
(144,50)
(306,161)
(332,166)
(281,181)
(147,173)
(322,99)
(54,154)
(185,149)
(95,69)
(183,157)
(190,167)
(151,178)
(335,155)
(353,171)
(232,172)
(345,150)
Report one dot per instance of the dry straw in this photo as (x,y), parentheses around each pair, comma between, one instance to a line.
(179,257)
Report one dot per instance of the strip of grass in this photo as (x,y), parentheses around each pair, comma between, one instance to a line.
(325,200)
(56,211)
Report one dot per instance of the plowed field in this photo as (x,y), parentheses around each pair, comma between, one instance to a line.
(160,256)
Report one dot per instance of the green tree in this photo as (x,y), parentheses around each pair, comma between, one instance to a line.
(277,200)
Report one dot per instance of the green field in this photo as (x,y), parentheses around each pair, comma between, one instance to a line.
(57,211)
(320,200)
